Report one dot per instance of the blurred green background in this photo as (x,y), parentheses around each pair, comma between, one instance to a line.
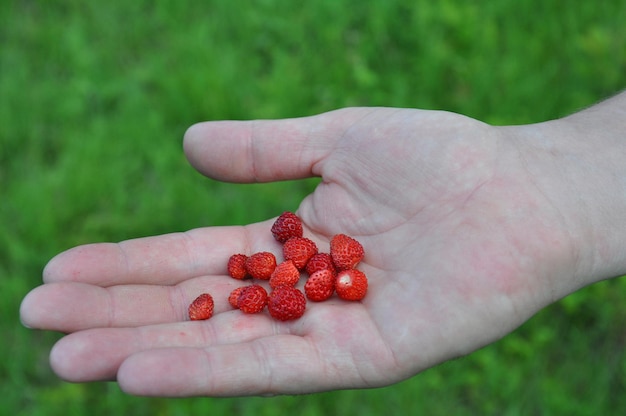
(95,98)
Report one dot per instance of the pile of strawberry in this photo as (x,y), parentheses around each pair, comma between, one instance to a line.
(328,273)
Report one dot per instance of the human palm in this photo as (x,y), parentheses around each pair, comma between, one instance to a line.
(454,231)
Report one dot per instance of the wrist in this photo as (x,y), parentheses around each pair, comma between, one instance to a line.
(577,164)
(599,134)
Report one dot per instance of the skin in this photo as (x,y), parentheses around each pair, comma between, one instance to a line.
(468,230)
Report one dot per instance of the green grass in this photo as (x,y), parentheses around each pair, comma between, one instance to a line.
(95,98)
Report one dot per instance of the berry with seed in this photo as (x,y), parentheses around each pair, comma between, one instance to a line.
(286,226)
(252,299)
(320,261)
(345,251)
(261,265)
(351,284)
(320,285)
(286,303)
(299,250)
(234,295)
(201,308)
(285,273)
(237,266)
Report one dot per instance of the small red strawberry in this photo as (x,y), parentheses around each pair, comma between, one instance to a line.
(320,261)
(345,251)
(201,308)
(285,273)
(320,285)
(237,266)
(286,226)
(351,284)
(261,265)
(299,250)
(234,295)
(286,303)
(252,299)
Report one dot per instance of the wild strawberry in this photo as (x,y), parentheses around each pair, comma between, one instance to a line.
(351,284)
(320,285)
(320,261)
(261,265)
(234,295)
(286,303)
(285,273)
(286,226)
(237,266)
(201,308)
(345,251)
(299,250)
(252,299)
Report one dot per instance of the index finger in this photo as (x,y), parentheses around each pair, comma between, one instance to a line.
(161,260)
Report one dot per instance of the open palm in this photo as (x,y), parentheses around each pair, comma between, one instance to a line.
(461,246)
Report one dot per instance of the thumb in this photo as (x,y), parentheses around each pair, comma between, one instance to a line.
(266,150)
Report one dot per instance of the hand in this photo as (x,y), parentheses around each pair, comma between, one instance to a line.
(462,245)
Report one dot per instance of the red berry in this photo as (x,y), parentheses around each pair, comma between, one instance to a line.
(345,251)
(286,303)
(285,273)
(261,265)
(286,226)
(252,299)
(351,284)
(201,308)
(320,261)
(234,295)
(237,266)
(320,285)
(300,250)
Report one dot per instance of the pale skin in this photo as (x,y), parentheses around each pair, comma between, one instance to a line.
(468,231)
